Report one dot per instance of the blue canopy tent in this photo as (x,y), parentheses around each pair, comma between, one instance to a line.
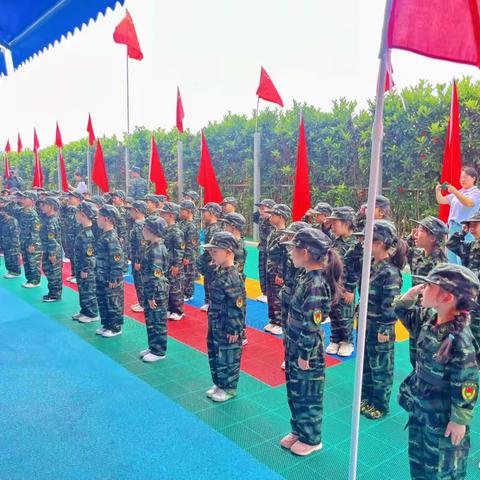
(27,27)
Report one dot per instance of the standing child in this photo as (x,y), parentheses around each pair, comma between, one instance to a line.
(192,243)
(10,244)
(50,237)
(445,381)
(155,266)
(389,257)
(229,205)
(318,217)
(85,263)
(311,302)
(276,253)
(226,318)
(109,274)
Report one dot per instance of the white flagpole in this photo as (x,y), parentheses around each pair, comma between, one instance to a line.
(127,168)
(256,168)
(180,166)
(89,170)
(377,137)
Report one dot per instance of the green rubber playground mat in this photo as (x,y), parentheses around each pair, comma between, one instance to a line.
(259,416)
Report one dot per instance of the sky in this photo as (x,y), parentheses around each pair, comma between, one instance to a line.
(314,50)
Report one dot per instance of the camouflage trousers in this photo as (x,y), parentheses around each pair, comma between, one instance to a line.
(67,244)
(223,357)
(341,322)
(87,295)
(189,280)
(273,296)
(31,265)
(431,455)
(175,297)
(110,305)
(262,270)
(378,369)
(207,279)
(285,296)
(156,323)
(53,272)
(475,325)
(138,282)
(12,259)
(125,243)
(305,393)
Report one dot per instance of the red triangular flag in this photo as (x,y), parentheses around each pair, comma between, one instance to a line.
(156,171)
(452,157)
(19,144)
(91,135)
(99,170)
(301,191)
(266,89)
(58,138)
(125,33)
(7,147)
(37,172)
(206,176)
(437,29)
(180,113)
(63,172)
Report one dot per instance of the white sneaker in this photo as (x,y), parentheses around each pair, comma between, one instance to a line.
(66,260)
(144,352)
(282,366)
(268,327)
(204,308)
(69,279)
(187,299)
(262,298)
(276,330)
(85,319)
(137,308)
(73,280)
(150,357)
(11,275)
(30,285)
(332,348)
(213,389)
(244,341)
(221,396)
(176,316)
(110,333)
(100,331)
(345,349)
(76,316)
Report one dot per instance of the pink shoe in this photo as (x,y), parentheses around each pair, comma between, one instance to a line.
(288,440)
(303,449)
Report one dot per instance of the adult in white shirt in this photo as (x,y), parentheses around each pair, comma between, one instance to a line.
(463,204)
(81,185)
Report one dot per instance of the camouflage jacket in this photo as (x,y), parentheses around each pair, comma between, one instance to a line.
(469,252)
(264,230)
(342,245)
(175,244)
(138,244)
(204,260)
(110,258)
(276,253)
(191,240)
(138,188)
(29,225)
(51,236)
(155,266)
(421,264)
(84,251)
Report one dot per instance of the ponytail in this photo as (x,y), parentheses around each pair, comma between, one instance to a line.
(334,274)
(454,328)
(399,255)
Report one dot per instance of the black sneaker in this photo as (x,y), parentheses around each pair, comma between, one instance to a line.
(49,299)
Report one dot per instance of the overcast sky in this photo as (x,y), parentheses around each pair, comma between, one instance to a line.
(314,50)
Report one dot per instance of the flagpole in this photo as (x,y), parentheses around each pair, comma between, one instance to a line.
(256,169)
(180,167)
(127,169)
(89,170)
(377,137)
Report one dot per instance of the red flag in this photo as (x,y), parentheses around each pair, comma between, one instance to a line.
(206,176)
(37,172)
(125,33)
(19,144)
(266,89)
(389,83)
(63,172)
(99,170)
(7,147)
(91,135)
(58,138)
(452,158)
(156,171)
(301,191)
(180,113)
(437,29)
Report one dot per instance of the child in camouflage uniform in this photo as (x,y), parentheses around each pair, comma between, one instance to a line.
(226,318)
(443,389)
(10,242)
(315,290)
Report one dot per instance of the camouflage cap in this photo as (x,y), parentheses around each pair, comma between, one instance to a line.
(76,195)
(52,201)
(435,226)
(135,170)
(170,207)
(313,240)
(119,194)
(28,194)
(237,220)
(139,205)
(187,205)
(282,210)
(323,207)
(347,214)
(97,199)
(456,279)
(129,200)
(382,202)
(231,200)
(294,227)
(150,197)
(89,209)
(383,230)
(266,202)
(107,197)
(157,225)
(474,218)
(193,195)
(224,240)
(213,208)
(110,212)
